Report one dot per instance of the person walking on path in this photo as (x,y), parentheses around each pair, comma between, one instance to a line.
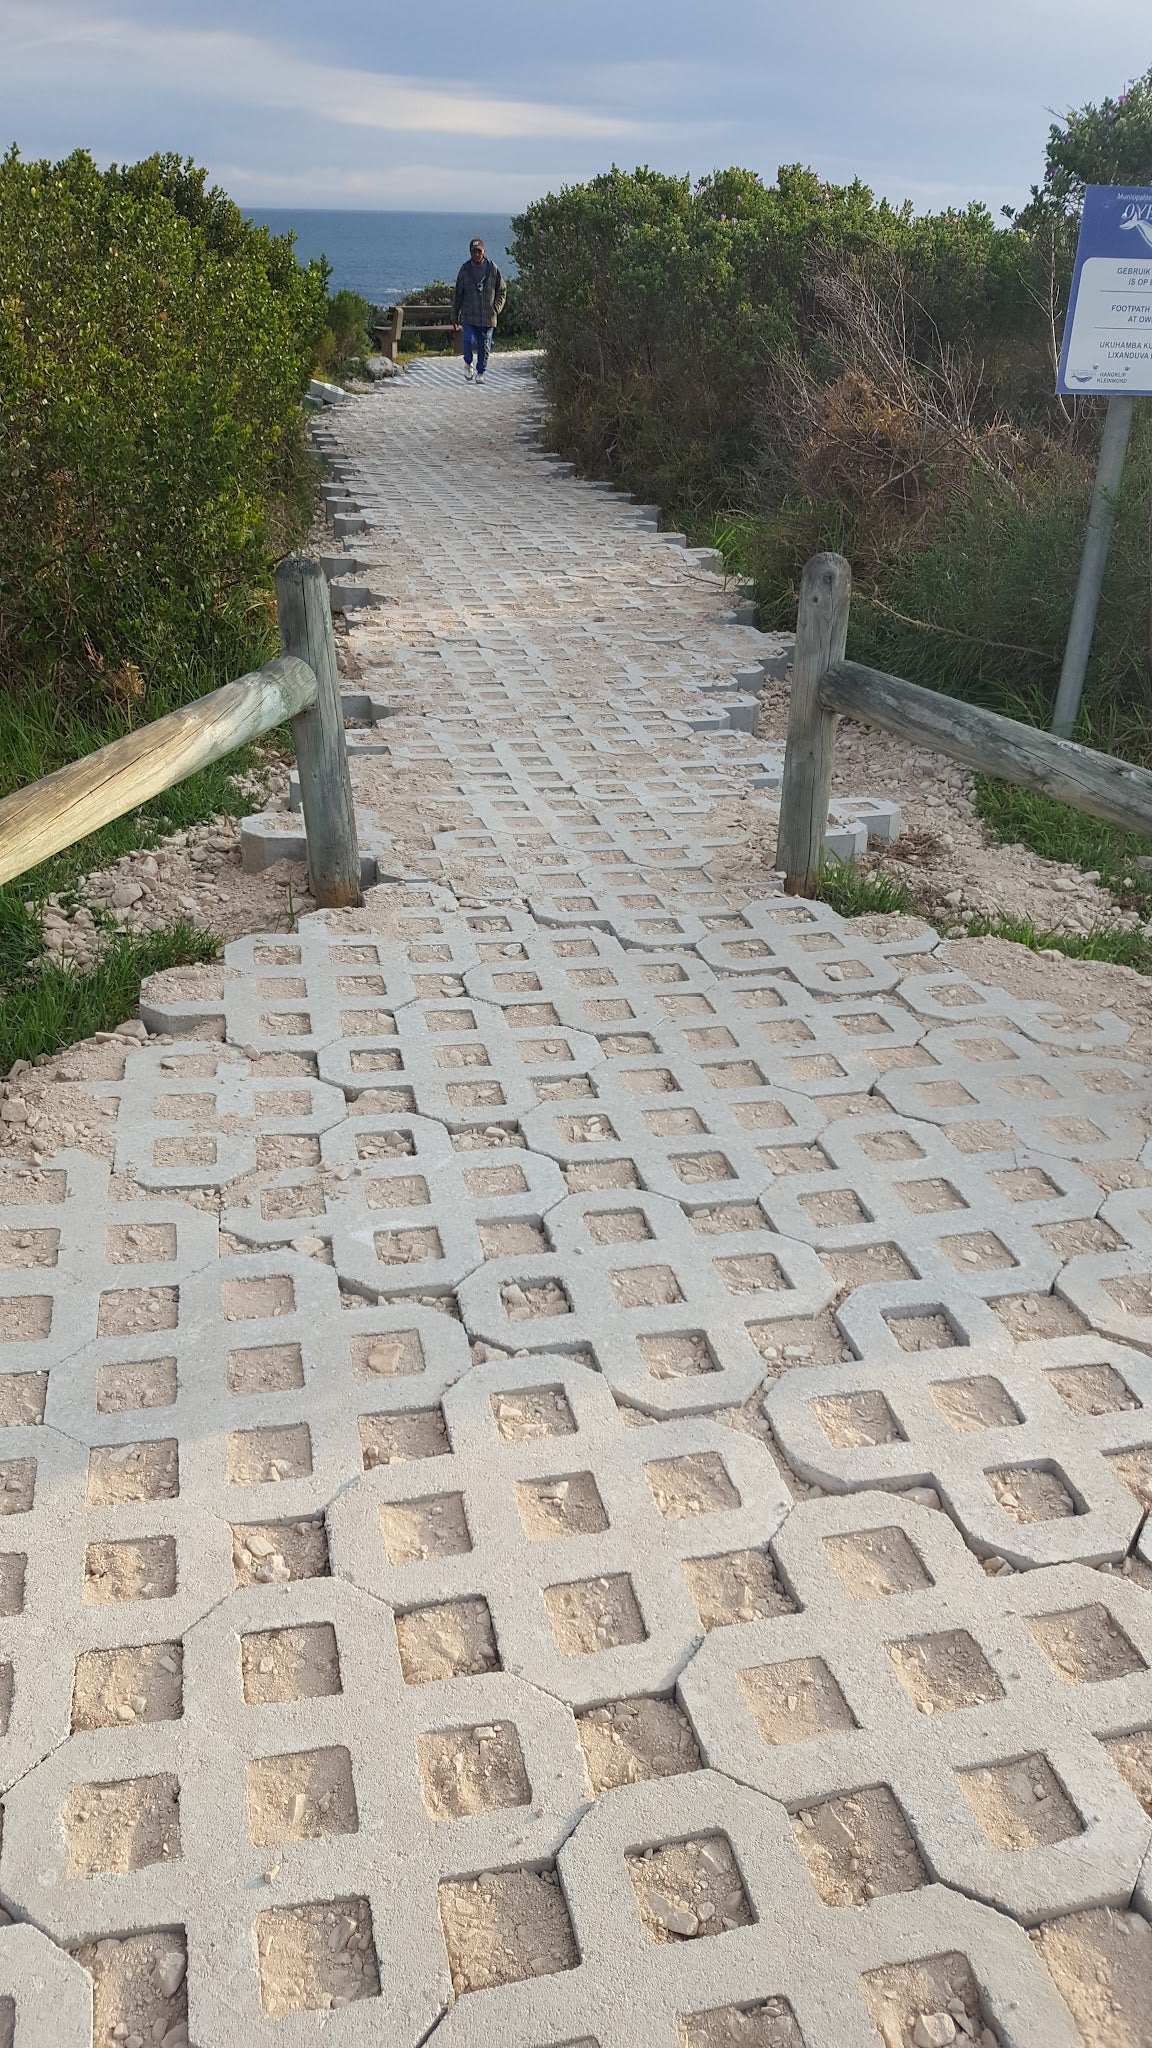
(477,301)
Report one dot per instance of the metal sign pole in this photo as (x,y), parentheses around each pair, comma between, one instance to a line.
(1106,352)
(1098,540)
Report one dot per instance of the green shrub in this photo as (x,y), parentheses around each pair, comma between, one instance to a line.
(798,366)
(347,336)
(154,347)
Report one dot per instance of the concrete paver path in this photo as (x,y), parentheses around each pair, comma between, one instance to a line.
(577,1481)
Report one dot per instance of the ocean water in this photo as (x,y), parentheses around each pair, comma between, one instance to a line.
(384,255)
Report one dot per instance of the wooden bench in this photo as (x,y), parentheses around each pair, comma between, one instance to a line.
(414,321)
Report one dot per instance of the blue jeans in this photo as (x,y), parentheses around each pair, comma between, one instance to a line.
(478,342)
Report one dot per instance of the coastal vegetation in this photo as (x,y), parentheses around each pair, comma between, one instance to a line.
(155,348)
(347,338)
(794,366)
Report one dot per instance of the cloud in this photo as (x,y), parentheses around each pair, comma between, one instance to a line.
(490,105)
(225,64)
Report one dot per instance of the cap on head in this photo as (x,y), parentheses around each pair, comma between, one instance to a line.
(475,246)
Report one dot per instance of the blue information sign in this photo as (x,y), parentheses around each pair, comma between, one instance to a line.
(1108,332)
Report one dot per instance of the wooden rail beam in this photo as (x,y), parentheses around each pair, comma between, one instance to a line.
(55,812)
(1097,783)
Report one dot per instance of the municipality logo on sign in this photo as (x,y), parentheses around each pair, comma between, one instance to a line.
(1140,219)
(1108,332)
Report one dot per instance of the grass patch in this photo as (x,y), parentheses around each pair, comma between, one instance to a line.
(858,892)
(1121,949)
(45,1008)
(1017,818)
(855,892)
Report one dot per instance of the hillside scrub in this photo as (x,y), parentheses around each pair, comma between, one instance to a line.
(347,338)
(154,349)
(799,366)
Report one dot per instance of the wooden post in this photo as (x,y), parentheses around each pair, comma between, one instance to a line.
(305,617)
(821,637)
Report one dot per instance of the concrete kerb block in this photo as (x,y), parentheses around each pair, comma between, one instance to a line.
(876,1580)
(1009,1436)
(630,1990)
(45,1991)
(702,721)
(881,820)
(269,836)
(709,559)
(335,566)
(520,1550)
(844,843)
(366,704)
(178,1016)
(352,597)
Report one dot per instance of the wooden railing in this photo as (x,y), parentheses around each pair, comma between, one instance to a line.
(824,685)
(303,685)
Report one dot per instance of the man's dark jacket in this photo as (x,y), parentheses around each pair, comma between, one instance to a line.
(479,295)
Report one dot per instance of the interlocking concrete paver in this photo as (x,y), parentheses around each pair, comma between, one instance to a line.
(38,1979)
(906,1667)
(564,1538)
(549,1472)
(1040,1451)
(630,1987)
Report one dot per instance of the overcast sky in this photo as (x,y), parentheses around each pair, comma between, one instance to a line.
(486,103)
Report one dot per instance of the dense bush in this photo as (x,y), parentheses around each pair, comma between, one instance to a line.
(154,347)
(800,365)
(665,308)
(347,336)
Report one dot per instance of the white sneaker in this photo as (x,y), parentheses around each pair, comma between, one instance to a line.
(480,375)
(469,372)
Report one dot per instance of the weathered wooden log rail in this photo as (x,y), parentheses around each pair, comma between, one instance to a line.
(825,685)
(302,685)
